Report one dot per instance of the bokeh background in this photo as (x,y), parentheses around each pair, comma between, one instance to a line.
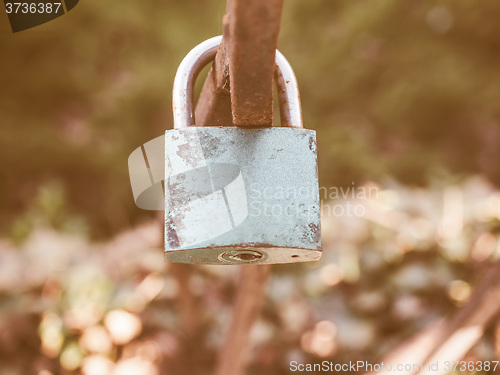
(404,96)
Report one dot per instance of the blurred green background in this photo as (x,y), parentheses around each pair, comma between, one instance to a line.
(403,95)
(401,88)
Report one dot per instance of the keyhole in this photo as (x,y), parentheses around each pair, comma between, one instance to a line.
(246,256)
(242,256)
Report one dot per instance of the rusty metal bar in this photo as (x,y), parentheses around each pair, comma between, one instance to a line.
(239,92)
(214,105)
(233,355)
(251,43)
(239,89)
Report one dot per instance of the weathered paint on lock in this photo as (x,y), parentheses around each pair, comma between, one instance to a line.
(251,189)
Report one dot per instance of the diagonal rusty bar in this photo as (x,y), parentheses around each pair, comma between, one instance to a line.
(452,338)
(214,105)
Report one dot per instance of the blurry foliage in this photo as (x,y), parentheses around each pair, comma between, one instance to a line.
(398,87)
(80,93)
(393,87)
(48,208)
(69,305)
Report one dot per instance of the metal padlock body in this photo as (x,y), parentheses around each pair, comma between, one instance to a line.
(242,195)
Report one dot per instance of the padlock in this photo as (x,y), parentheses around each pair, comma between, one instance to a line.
(240,195)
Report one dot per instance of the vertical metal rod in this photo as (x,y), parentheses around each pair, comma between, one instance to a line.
(250,28)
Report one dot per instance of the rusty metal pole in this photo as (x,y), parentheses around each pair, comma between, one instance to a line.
(239,89)
(239,92)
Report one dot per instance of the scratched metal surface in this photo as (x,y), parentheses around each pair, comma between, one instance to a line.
(240,189)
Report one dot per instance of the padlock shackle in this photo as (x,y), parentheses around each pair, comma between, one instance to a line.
(201,55)
(288,93)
